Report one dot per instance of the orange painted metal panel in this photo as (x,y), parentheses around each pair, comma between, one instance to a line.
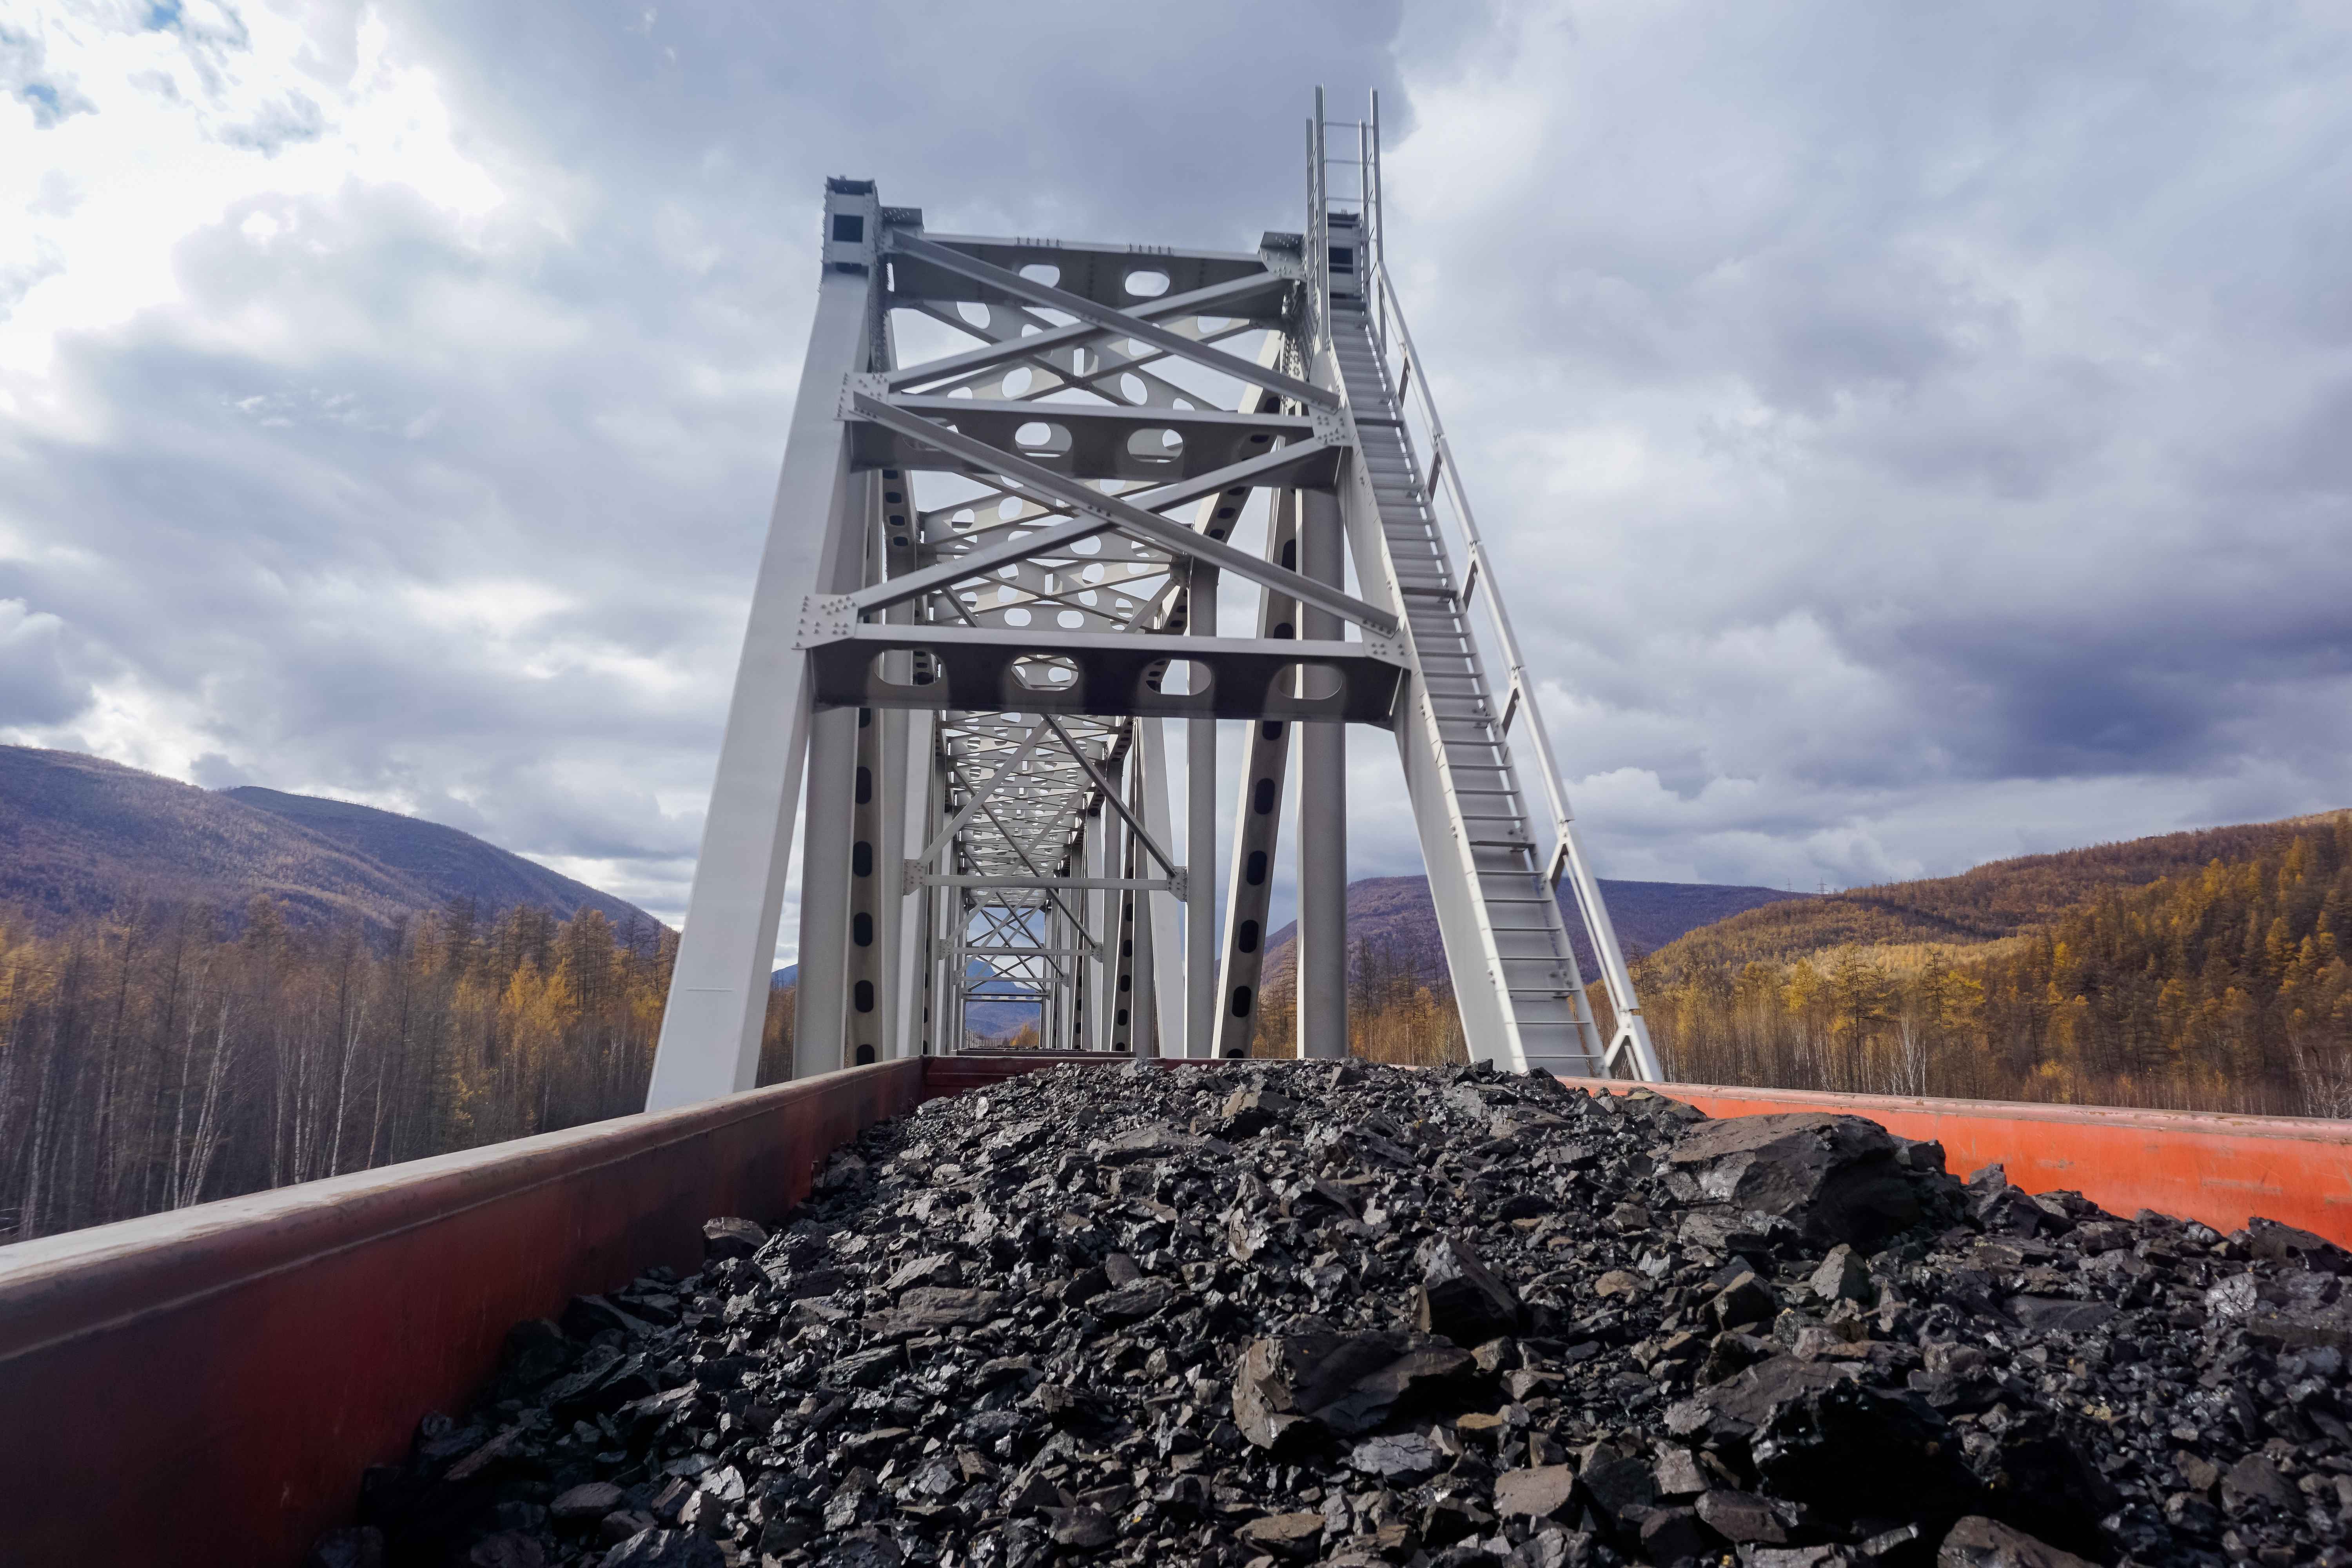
(2222,1170)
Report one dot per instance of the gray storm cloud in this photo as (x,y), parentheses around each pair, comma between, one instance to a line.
(1914,433)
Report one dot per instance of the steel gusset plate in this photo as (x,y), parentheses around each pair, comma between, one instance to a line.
(1105,673)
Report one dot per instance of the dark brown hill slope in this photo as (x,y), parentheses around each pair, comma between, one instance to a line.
(1998,898)
(82,837)
(1395,915)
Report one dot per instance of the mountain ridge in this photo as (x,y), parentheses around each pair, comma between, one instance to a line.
(1986,903)
(1397,915)
(81,837)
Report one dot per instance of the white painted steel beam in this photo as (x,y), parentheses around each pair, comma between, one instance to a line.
(718,1003)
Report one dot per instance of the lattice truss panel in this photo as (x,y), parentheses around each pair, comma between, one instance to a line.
(1073,398)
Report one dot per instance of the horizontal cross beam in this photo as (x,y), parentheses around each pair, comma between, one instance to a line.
(1074,884)
(1010,670)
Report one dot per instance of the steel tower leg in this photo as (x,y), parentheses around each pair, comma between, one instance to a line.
(1200,842)
(1166,963)
(821,1019)
(1257,820)
(910,771)
(718,1004)
(1143,1007)
(1322,946)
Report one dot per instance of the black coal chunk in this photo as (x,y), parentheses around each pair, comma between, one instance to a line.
(1836,1178)
(1313,1378)
(1460,1299)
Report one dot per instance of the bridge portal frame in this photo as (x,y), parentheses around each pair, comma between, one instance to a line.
(991,577)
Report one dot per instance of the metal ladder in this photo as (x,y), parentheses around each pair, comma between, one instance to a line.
(1528,953)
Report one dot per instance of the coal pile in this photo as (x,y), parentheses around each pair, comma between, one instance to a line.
(1297,1313)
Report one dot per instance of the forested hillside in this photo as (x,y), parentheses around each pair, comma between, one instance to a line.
(2220,984)
(1997,899)
(157,1062)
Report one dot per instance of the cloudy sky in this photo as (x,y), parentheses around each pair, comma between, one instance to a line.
(1914,435)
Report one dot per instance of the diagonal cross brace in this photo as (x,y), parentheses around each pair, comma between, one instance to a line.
(979,793)
(1110,795)
(1174,537)
(1111,319)
(1054,886)
(980,562)
(1201,300)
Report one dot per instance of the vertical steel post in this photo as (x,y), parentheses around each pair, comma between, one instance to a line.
(1143,1016)
(1257,819)
(1200,839)
(822,1019)
(867,1009)
(1165,966)
(1092,1034)
(1322,946)
(911,956)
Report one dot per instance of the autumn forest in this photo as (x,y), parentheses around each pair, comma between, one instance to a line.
(151,1062)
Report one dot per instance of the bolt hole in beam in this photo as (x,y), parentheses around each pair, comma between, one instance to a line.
(1180,678)
(1156,446)
(1313,682)
(1045,673)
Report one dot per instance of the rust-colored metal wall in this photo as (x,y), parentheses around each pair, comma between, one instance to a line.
(2222,1170)
(205,1387)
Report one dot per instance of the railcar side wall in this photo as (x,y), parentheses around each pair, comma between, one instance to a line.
(205,1387)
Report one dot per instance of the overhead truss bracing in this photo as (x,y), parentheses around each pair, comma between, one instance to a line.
(1019,474)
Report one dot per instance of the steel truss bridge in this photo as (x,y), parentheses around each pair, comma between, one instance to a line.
(1018,472)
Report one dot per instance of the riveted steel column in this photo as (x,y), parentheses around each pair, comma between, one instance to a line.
(1143,1009)
(1322,948)
(1201,841)
(1165,964)
(820,1020)
(906,776)
(867,1014)
(1257,820)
